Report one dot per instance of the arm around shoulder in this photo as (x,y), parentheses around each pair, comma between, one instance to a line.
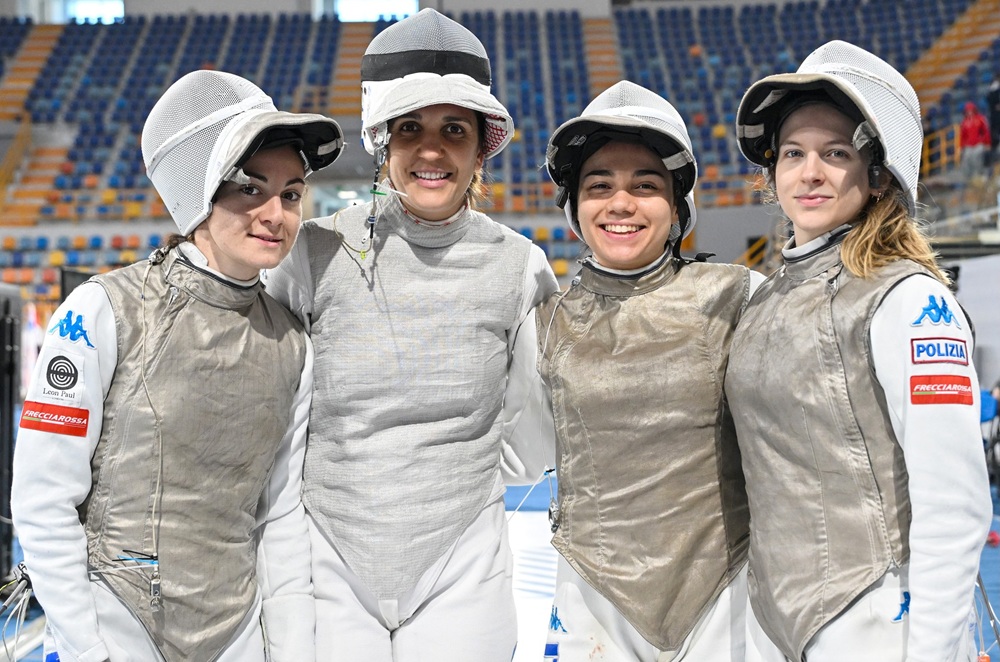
(284,558)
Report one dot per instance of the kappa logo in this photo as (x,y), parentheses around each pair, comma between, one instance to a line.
(940,390)
(61,373)
(904,608)
(937,313)
(72,329)
(555,624)
(939,350)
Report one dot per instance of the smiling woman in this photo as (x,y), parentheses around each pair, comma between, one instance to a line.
(253,225)
(626,205)
(868,494)
(629,366)
(434,155)
(820,177)
(416,303)
(176,491)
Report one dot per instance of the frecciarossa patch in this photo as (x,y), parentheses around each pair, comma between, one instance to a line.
(71,421)
(940,390)
(939,350)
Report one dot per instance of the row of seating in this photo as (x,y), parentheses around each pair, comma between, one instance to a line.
(105,78)
(42,243)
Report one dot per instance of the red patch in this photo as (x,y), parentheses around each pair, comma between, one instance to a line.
(940,390)
(70,421)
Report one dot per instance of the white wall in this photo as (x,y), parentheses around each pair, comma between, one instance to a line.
(977,292)
(152,7)
(38,9)
(587,8)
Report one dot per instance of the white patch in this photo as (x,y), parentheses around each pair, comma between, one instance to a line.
(60,378)
(939,350)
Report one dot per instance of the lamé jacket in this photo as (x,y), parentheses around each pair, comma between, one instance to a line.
(653,509)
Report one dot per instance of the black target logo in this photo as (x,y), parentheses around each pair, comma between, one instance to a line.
(62,374)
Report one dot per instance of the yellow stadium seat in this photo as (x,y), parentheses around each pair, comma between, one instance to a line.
(57,258)
(541,234)
(133,210)
(560,267)
(719,131)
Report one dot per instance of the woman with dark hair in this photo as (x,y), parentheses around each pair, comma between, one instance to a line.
(852,386)
(159,459)
(414,303)
(652,519)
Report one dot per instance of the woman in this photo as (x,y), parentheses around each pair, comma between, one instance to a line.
(852,386)
(652,523)
(414,304)
(164,430)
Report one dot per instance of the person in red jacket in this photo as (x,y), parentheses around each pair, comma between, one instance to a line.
(975,137)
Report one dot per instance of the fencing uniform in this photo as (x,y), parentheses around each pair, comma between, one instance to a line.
(146,428)
(856,404)
(414,344)
(653,514)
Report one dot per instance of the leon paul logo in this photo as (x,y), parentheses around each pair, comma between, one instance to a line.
(61,373)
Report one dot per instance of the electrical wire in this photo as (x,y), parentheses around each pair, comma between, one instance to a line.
(154,581)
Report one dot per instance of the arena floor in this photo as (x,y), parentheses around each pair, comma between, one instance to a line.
(535,576)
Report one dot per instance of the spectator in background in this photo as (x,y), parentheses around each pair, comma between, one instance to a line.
(975,138)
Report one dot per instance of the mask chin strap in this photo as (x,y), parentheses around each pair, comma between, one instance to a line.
(677,234)
(678,229)
(380,140)
(865,136)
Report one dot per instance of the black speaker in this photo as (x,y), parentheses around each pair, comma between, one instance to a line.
(10,393)
(70,279)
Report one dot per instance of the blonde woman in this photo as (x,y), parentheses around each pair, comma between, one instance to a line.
(852,387)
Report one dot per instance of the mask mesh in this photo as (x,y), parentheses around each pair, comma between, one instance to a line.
(893,104)
(426,31)
(181,172)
